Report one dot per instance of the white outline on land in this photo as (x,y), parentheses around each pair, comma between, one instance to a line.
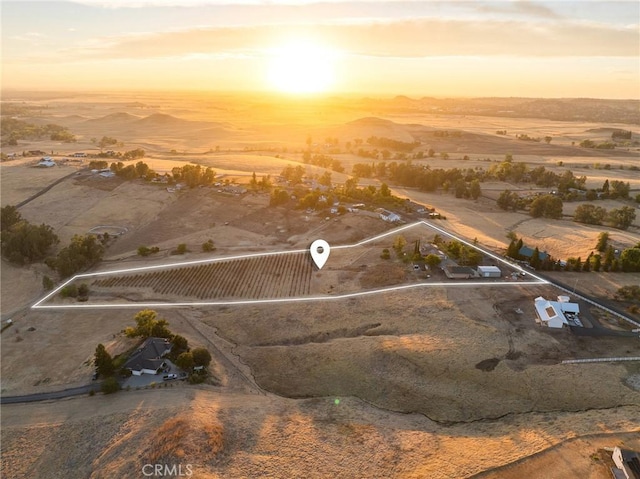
(39,305)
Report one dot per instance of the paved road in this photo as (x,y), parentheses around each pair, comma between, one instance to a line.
(65,393)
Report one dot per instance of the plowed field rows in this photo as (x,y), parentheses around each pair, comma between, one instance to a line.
(277,276)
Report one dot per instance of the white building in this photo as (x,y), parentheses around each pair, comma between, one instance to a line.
(489,272)
(389,216)
(556,314)
(627,464)
(46,162)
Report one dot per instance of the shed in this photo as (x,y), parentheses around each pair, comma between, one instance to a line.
(489,271)
(459,272)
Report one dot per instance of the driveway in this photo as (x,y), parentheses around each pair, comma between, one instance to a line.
(147,379)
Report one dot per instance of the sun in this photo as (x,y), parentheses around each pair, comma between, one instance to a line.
(301,68)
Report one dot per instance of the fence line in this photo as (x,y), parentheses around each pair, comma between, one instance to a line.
(600,360)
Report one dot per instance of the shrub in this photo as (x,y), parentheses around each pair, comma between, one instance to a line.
(197,377)
(110,386)
(181,249)
(47,283)
(83,290)
(69,291)
(208,246)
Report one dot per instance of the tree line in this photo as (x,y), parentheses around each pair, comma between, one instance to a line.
(24,243)
(12,130)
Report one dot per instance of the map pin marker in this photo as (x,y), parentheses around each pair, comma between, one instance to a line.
(320,252)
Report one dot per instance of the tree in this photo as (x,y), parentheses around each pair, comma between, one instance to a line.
(630,259)
(475,189)
(548,206)
(603,240)
(384,190)
(399,244)
(622,218)
(104,142)
(589,214)
(181,248)
(432,260)
(619,189)
(103,361)
(278,197)
(9,216)
(385,254)
(148,325)
(609,258)
(535,259)
(185,361)
(201,357)
(180,344)
(508,200)
(83,252)
(25,243)
(548,139)
(253,183)
(325,179)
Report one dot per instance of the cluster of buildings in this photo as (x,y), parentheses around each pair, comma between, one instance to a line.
(557,314)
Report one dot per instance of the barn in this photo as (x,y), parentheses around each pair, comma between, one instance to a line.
(489,272)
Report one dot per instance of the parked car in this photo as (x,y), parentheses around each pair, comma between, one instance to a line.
(168,377)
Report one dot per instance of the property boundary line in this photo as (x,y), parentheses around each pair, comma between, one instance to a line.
(39,304)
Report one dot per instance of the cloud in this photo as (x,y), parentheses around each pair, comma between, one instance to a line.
(519,7)
(403,38)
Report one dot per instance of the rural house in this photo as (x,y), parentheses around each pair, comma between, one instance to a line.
(627,464)
(556,314)
(46,162)
(148,358)
(527,252)
(389,216)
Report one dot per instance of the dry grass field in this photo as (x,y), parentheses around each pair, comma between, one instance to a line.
(432,382)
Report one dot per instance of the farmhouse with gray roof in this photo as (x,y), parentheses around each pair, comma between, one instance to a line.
(148,358)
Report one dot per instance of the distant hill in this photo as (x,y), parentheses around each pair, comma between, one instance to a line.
(458,141)
(112,119)
(559,109)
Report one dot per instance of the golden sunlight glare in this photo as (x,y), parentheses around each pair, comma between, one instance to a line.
(301,68)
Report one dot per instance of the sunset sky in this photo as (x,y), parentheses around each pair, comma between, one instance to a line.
(416,48)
